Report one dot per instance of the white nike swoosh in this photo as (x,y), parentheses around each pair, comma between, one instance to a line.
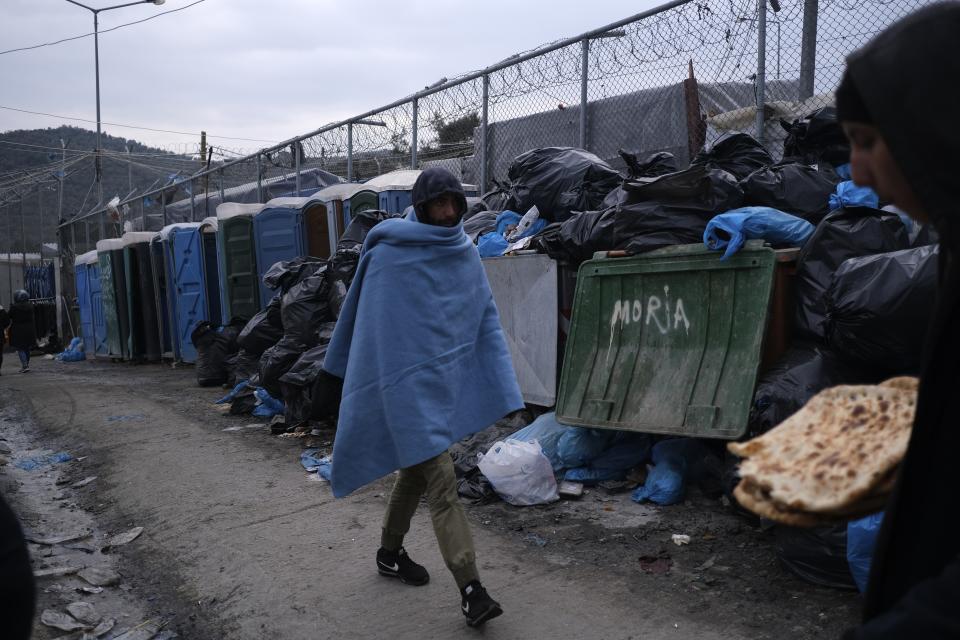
(394,567)
(465,608)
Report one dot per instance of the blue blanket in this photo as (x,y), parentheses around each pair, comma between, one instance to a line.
(421,351)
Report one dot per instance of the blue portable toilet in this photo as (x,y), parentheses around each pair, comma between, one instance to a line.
(98,316)
(289,228)
(161,294)
(394,189)
(81,268)
(188,282)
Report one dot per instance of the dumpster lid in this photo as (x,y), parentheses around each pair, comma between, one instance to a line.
(342,191)
(232,209)
(110,244)
(136,237)
(291,202)
(167,230)
(667,342)
(86,258)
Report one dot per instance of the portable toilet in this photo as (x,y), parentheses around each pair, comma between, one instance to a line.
(144,341)
(288,228)
(238,260)
(97,313)
(158,271)
(394,189)
(337,199)
(188,284)
(81,269)
(211,270)
(165,277)
(114,295)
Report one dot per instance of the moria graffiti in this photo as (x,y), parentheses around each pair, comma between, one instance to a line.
(665,314)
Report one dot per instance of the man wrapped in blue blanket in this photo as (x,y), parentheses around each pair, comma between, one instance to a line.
(424,362)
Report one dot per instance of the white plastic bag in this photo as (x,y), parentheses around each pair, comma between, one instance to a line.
(519,472)
(528,220)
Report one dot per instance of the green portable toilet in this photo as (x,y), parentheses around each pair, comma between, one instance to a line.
(142,342)
(668,341)
(341,201)
(114,296)
(237,257)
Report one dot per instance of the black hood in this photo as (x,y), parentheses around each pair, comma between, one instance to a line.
(434,182)
(907,80)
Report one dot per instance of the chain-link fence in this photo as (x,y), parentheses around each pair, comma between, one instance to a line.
(670,79)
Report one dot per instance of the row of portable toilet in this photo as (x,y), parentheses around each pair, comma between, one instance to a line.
(142,295)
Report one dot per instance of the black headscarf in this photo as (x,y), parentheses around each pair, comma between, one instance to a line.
(907,81)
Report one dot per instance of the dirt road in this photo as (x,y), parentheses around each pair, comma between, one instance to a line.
(239,544)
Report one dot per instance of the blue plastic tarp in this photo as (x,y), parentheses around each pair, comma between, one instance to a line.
(547,432)
(732,229)
(667,481)
(861,541)
(495,243)
(628,450)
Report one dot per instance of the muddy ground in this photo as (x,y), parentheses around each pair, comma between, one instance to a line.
(239,543)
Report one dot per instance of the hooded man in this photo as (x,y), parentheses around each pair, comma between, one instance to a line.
(4,323)
(898,103)
(23,335)
(424,364)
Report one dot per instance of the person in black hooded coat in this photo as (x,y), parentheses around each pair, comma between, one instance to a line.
(898,102)
(4,323)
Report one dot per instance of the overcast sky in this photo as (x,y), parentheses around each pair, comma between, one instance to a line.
(259,69)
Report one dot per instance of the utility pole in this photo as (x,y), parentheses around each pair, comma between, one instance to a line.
(9,255)
(40,213)
(808,48)
(23,241)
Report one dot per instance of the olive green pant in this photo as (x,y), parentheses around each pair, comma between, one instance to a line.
(436,479)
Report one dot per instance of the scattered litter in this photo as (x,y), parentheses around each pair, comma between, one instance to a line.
(90,590)
(570,489)
(244,427)
(84,612)
(60,621)
(535,539)
(56,572)
(135,416)
(712,560)
(313,462)
(655,565)
(100,577)
(680,539)
(83,483)
(143,631)
(5,448)
(315,477)
(29,464)
(57,539)
(101,629)
(123,538)
(82,546)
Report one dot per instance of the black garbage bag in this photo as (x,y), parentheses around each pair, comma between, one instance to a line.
(360,225)
(483,222)
(283,275)
(817,137)
(817,555)
(231,332)
(246,365)
(496,199)
(559,181)
(578,237)
(672,209)
(657,164)
(878,309)
(340,271)
(798,189)
(264,329)
(305,307)
(276,361)
(474,206)
(736,153)
(846,233)
(213,349)
(801,373)
(308,391)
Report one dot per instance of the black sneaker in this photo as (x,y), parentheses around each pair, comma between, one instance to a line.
(477,605)
(397,564)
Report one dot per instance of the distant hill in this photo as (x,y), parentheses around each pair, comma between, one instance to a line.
(151,165)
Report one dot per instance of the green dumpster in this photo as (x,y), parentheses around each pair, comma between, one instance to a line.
(667,342)
(241,292)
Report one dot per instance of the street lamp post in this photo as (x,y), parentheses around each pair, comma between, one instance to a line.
(96,63)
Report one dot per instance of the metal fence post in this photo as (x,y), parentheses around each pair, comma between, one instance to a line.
(349,152)
(761,81)
(484,133)
(40,214)
(220,177)
(10,254)
(259,177)
(163,208)
(416,125)
(296,163)
(193,202)
(584,73)
(23,241)
(808,48)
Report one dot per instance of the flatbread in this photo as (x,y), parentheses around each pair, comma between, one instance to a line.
(907,383)
(754,499)
(834,452)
